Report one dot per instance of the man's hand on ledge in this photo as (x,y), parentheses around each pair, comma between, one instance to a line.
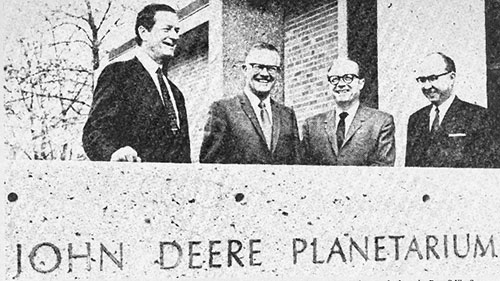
(125,154)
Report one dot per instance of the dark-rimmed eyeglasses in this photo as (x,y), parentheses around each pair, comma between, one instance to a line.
(430,78)
(347,78)
(271,69)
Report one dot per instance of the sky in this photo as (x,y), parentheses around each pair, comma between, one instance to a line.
(23,17)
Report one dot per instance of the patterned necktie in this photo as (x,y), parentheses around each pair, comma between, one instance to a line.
(267,126)
(435,123)
(172,118)
(341,129)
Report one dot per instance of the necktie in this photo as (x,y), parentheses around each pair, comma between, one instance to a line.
(341,129)
(267,126)
(172,118)
(435,123)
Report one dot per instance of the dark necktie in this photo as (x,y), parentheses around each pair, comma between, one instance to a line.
(435,123)
(341,129)
(172,118)
(267,126)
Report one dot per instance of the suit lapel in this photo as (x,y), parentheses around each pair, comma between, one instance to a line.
(449,121)
(248,109)
(360,117)
(145,84)
(330,127)
(276,125)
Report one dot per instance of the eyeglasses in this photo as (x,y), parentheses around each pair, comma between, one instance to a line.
(430,78)
(271,69)
(347,78)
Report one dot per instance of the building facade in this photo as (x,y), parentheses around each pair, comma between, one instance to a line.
(386,37)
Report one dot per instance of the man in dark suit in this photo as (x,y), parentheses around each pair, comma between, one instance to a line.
(137,114)
(449,132)
(351,133)
(252,128)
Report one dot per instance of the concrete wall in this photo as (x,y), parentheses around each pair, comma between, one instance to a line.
(407,31)
(138,206)
(311,39)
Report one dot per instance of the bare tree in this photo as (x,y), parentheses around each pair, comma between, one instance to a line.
(88,23)
(49,74)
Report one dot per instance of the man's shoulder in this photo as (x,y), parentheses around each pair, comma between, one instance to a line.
(118,67)
(228,101)
(320,117)
(469,107)
(123,64)
(282,107)
(422,111)
(227,104)
(375,113)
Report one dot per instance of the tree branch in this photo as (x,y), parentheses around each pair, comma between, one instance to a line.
(105,15)
(49,96)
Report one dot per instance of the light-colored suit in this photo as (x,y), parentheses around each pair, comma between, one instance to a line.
(369,140)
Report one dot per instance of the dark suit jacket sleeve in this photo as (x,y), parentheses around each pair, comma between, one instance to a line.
(100,134)
(385,154)
(213,147)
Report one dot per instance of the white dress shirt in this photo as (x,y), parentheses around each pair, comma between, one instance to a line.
(151,66)
(443,108)
(255,101)
(351,111)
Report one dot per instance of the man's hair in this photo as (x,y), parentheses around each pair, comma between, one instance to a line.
(450,64)
(360,70)
(263,46)
(146,18)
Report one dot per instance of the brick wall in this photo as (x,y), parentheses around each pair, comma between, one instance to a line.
(189,71)
(310,46)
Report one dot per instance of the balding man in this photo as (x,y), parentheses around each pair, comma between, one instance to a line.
(448,132)
(350,133)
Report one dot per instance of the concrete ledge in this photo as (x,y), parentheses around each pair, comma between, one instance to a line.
(121,221)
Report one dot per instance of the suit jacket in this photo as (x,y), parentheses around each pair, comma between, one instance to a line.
(233,134)
(127,110)
(369,140)
(464,139)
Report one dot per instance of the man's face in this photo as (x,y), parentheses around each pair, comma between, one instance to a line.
(161,40)
(261,68)
(436,82)
(344,82)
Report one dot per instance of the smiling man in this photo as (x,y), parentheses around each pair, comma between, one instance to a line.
(252,128)
(138,114)
(350,133)
(448,132)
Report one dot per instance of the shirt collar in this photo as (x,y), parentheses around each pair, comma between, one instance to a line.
(148,63)
(351,110)
(443,108)
(255,101)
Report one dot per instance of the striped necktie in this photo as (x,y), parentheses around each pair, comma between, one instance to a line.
(267,126)
(435,123)
(172,118)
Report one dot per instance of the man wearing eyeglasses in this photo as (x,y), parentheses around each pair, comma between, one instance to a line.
(448,132)
(350,133)
(252,128)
